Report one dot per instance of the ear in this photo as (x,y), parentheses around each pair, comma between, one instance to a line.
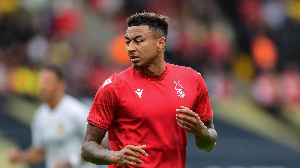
(63,85)
(161,43)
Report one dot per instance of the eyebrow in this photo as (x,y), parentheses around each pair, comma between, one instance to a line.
(134,38)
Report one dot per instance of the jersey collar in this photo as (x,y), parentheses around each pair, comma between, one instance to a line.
(154,78)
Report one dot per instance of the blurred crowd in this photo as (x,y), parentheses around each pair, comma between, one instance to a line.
(230,42)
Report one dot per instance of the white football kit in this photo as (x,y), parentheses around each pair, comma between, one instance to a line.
(59,132)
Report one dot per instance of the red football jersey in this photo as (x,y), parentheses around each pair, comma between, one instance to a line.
(138,109)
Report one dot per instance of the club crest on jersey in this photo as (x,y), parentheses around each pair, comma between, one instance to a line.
(179,89)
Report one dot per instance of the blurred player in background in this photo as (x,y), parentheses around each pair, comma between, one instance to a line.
(58,127)
(149,108)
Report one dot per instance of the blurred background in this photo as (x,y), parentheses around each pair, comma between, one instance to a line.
(247,51)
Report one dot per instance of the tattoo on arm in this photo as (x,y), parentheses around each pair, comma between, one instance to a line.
(92,151)
(207,141)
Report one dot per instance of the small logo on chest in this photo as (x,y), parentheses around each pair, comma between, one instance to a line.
(179,89)
(139,92)
(61,129)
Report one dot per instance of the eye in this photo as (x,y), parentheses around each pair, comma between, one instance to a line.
(127,42)
(138,41)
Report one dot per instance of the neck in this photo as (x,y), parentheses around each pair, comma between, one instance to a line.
(156,68)
(55,101)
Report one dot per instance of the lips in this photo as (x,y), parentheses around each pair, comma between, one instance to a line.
(134,58)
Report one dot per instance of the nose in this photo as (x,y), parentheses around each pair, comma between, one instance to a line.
(130,47)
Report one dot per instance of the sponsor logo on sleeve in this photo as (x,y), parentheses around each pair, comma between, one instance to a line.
(108,81)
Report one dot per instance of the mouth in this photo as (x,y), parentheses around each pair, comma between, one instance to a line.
(134,58)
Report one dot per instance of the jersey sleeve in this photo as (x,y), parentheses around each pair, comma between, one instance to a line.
(105,104)
(203,106)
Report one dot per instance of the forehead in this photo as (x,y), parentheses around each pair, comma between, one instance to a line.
(133,31)
(47,74)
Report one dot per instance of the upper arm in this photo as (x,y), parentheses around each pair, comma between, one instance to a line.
(80,115)
(94,133)
(105,104)
(35,130)
(202,105)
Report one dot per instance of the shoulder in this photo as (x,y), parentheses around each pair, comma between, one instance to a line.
(127,73)
(180,68)
(43,108)
(41,112)
(74,104)
(116,80)
(112,85)
(187,71)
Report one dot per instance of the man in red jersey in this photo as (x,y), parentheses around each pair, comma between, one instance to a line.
(148,108)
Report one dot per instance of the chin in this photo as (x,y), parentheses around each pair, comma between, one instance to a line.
(136,66)
(43,97)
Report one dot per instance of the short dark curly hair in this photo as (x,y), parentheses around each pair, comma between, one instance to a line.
(156,22)
(56,69)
